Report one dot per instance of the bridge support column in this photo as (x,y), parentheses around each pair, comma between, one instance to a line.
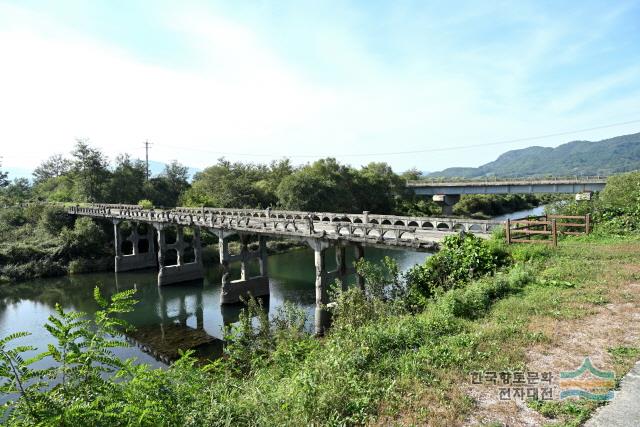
(446,201)
(359,255)
(137,260)
(182,271)
(325,278)
(234,290)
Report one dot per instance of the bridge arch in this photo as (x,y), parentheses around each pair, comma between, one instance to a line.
(373,233)
(443,226)
(390,234)
(476,228)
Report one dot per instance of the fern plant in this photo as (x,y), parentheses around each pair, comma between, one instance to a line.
(83,359)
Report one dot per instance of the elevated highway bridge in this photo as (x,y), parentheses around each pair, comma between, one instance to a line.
(448,192)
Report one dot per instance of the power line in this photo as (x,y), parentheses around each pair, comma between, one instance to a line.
(394,153)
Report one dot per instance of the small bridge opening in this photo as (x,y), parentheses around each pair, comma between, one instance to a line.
(171,257)
(188,255)
(170,235)
(127,247)
(143,246)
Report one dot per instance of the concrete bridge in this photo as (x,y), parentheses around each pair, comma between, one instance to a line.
(448,193)
(319,230)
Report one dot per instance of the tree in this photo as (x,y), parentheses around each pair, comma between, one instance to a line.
(91,173)
(127,180)
(231,185)
(378,188)
(323,185)
(18,191)
(166,189)
(53,167)
(4,180)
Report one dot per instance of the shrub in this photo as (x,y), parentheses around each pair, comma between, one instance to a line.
(54,219)
(13,217)
(145,204)
(461,258)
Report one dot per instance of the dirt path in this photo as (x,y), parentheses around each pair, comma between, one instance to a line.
(616,324)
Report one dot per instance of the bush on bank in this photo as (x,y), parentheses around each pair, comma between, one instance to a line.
(615,211)
(43,241)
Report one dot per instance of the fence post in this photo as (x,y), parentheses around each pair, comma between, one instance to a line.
(508,231)
(587,223)
(546,218)
(554,232)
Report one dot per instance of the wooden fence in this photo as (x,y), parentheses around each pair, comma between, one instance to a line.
(546,228)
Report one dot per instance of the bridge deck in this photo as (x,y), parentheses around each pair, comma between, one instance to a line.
(415,233)
(506,186)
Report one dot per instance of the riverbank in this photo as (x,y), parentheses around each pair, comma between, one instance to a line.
(544,313)
(39,241)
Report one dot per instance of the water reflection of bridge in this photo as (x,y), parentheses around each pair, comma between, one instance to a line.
(177,323)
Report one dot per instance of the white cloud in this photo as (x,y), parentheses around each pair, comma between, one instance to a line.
(243,96)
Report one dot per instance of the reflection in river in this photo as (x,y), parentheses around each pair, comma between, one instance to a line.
(168,318)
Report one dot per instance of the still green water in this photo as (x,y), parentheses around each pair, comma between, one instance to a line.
(171,317)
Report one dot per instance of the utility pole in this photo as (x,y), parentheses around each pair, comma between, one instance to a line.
(146,149)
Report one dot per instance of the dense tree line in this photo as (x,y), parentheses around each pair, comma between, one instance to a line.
(86,176)
(323,185)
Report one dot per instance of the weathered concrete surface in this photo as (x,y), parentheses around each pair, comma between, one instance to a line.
(413,233)
(624,409)
(511,186)
(233,291)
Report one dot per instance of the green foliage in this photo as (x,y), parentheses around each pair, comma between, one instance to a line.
(83,362)
(460,259)
(53,167)
(474,300)
(42,241)
(489,205)
(54,219)
(572,413)
(616,211)
(90,172)
(233,185)
(4,181)
(145,204)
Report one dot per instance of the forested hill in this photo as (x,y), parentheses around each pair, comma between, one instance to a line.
(605,157)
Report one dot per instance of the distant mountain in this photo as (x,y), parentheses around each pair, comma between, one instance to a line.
(605,157)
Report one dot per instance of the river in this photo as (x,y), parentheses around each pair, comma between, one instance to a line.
(169,317)
(178,316)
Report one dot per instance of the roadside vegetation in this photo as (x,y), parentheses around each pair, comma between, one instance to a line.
(400,352)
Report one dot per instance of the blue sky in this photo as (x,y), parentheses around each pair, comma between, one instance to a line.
(355,80)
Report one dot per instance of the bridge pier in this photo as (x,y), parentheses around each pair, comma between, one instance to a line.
(446,201)
(182,271)
(257,286)
(138,259)
(324,278)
